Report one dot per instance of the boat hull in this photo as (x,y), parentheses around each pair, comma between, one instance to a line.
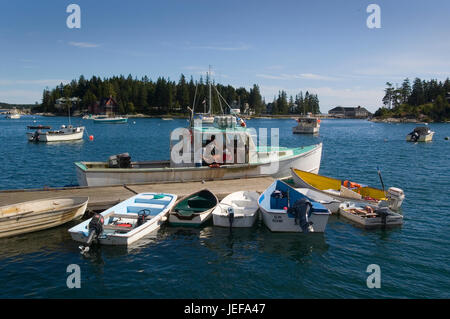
(110,120)
(391,220)
(422,138)
(238,221)
(79,233)
(194,219)
(278,220)
(245,210)
(40,215)
(49,137)
(97,173)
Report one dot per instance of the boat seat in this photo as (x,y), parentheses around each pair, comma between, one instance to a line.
(115,227)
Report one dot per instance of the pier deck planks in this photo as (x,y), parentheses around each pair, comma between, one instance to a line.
(103,197)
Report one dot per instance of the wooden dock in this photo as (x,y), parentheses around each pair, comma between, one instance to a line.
(103,197)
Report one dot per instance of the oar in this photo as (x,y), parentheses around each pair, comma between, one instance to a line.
(381,179)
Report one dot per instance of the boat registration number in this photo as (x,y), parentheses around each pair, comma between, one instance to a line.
(277,219)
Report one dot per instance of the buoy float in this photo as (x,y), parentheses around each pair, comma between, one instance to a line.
(446,138)
(91,137)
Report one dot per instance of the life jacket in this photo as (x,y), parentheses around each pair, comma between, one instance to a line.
(349,184)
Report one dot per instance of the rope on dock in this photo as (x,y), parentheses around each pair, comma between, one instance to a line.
(126,187)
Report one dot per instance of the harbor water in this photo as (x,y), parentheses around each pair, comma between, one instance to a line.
(212,262)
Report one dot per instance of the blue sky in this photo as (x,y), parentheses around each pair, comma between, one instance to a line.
(321,46)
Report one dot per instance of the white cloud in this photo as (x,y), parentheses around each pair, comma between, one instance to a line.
(84,44)
(304,76)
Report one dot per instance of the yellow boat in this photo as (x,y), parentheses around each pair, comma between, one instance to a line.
(347,190)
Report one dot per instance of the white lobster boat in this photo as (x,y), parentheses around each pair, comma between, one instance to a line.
(254,162)
(370,216)
(420,134)
(285,209)
(41,214)
(68,133)
(126,222)
(307,125)
(239,209)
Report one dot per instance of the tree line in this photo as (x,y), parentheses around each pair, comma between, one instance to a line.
(165,96)
(423,98)
(309,103)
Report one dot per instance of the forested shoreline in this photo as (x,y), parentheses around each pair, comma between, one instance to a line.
(424,100)
(165,96)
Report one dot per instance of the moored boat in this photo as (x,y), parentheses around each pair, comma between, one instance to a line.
(328,201)
(110,120)
(239,209)
(194,209)
(126,222)
(284,209)
(370,216)
(41,214)
(68,133)
(420,134)
(347,190)
(307,125)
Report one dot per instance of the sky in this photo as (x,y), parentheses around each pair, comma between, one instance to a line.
(324,47)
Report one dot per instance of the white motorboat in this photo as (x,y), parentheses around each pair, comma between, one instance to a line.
(285,209)
(239,209)
(370,216)
(420,134)
(328,201)
(41,214)
(68,133)
(126,222)
(194,209)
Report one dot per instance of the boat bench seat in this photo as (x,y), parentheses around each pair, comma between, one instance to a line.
(115,227)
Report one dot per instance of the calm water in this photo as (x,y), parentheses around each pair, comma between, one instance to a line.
(249,263)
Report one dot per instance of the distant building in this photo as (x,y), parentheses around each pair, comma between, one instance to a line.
(349,112)
(105,105)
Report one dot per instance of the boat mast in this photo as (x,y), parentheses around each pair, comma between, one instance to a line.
(68,109)
(209,84)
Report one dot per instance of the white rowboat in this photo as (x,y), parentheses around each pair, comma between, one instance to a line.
(239,209)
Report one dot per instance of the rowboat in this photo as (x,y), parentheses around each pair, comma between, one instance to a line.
(346,190)
(285,209)
(328,201)
(68,133)
(420,134)
(239,209)
(194,209)
(370,216)
(126,222)
(41,214)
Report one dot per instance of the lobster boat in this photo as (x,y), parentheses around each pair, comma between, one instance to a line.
(284,209)
(420,134)
(370,216)
(194,209)
(239,209)
(126,222)
(344,190)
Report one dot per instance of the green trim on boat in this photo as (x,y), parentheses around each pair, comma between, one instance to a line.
(196,203)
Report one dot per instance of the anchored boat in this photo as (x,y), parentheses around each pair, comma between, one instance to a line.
(65,133)
(239,209)
(194,209)
(284,209)
(37,215)
(126,222)
(347,190)
(420,134)
(307,125)
(370,216)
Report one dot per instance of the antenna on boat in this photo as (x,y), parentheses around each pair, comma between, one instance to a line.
(381,179)
(209,88)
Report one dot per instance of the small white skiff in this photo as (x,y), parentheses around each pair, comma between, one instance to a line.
(239,209)
(328,201)
(126,222)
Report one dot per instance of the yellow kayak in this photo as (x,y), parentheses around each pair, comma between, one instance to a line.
(347,190)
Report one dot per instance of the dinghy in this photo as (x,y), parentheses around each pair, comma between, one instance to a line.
(370,216)
(194,209)
(285,209)
(347,190)
(41,214)
(239,209)
(126,222)
(420,134)
(328,201)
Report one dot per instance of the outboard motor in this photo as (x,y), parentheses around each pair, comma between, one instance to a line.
(395,197)
(414,136)
(95,229)
(36,136)
(383,213)
(230,211)
(301,211)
